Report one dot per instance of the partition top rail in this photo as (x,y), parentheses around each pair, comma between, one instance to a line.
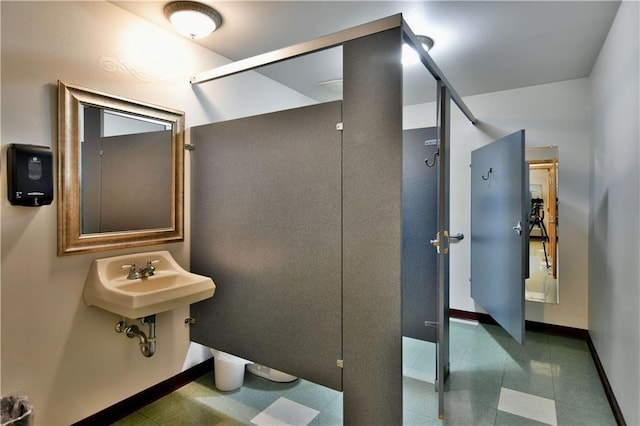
(435,71)
(315,45)
(333,40)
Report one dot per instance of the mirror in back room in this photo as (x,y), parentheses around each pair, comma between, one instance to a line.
(543,283)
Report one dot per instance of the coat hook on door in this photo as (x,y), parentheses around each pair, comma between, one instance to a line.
(435,154)
(488,174)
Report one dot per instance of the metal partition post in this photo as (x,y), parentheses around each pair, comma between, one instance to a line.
(442,373)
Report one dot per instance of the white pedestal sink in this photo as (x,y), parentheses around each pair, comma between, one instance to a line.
(109,287)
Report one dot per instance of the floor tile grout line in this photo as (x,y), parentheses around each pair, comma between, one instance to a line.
(148,418)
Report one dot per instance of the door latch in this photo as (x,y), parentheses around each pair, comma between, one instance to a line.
(518,228)
(454,239)
(439,245)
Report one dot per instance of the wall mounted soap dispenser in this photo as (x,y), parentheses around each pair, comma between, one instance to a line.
(29,175)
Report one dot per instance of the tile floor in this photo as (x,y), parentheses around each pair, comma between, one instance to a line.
(494,381)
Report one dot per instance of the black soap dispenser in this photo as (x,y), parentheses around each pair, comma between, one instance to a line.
(29,175)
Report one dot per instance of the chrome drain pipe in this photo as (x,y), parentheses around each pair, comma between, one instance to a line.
(147,342)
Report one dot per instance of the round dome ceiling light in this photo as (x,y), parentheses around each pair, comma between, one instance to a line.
(410,56)
(426,42)
(193,19)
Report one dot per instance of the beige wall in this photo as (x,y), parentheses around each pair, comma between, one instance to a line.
(551,114)
(66,357)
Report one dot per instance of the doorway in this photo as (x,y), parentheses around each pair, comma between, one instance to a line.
(542,285)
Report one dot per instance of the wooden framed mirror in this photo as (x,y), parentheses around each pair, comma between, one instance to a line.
(120,172)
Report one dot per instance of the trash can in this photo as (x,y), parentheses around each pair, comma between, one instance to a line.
(228,370)
(16,411)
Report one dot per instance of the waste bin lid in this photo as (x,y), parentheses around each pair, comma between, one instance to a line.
(16,410)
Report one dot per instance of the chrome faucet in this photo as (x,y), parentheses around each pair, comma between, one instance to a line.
(134,273)
(149,270)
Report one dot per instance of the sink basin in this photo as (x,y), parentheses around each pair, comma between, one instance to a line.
(108,287)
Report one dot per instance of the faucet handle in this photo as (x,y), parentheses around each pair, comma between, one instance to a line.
(133,274)
(150,268)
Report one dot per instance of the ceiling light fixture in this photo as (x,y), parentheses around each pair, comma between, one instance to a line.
(192,19)
(410,56)
(426,41)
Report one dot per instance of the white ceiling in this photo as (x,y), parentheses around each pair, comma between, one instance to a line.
(480,46)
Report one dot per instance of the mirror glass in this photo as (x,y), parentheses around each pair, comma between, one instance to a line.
(543,284)
(120,172)
(125,161)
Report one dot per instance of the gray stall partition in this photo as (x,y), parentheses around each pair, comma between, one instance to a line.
(129,179)
(137,172)
(419,227)
(372,208)
(266,226)
(303,235)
